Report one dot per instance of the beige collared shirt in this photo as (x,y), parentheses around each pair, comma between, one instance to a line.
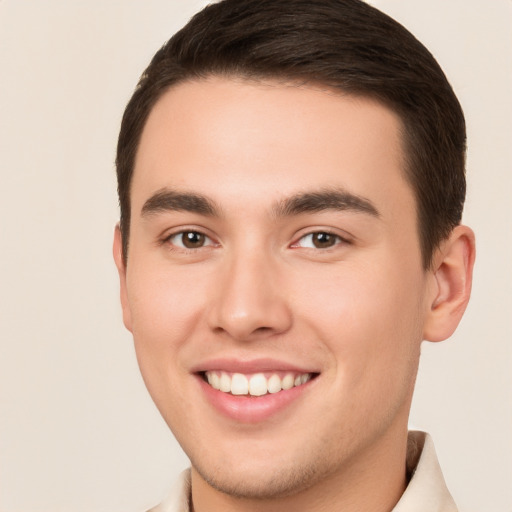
(426,491)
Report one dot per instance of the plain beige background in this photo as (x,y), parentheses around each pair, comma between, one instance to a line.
(78,431)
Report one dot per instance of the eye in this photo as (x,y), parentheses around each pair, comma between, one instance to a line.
(319,240)
(189,240)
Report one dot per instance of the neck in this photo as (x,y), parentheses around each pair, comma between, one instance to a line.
(374,483)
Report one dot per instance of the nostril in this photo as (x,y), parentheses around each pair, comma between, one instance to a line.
(263,330)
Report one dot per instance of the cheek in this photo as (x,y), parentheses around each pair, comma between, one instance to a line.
(371,321)
(164,310)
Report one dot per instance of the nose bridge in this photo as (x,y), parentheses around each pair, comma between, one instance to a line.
(251,301)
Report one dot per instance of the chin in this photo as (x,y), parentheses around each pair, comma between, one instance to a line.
(266,481)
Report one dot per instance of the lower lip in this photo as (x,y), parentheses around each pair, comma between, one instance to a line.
(247,409)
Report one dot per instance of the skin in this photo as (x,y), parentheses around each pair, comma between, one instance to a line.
(354,312)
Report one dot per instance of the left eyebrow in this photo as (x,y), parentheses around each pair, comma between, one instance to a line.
(325,199)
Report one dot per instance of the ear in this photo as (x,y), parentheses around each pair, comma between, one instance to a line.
(452,273)
(117,250)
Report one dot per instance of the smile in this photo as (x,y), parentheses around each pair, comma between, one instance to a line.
(257,384)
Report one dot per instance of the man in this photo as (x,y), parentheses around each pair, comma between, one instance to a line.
(291,181)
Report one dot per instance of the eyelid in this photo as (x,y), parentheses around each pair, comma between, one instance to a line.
(342,239)
(169,235)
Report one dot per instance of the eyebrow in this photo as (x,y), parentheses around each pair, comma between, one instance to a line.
(306,202)
(322,200)
(170,200)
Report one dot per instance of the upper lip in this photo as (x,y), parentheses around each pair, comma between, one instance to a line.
(258,365)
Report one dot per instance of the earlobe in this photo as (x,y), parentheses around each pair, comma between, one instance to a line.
(452,277)
(117,250)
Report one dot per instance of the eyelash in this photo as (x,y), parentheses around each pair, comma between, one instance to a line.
(181,247)
(211,243)
(339,240)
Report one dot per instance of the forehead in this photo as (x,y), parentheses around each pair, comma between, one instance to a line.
(220,136)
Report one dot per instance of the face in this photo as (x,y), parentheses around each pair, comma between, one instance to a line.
(274,252)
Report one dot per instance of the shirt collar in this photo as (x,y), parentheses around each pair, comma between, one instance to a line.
(427,491)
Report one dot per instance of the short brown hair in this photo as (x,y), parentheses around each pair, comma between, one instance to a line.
(344,44)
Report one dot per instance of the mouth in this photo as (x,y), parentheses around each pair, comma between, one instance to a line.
(253,391)
(256,384)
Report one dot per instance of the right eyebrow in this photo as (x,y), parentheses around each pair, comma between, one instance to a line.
(165,200)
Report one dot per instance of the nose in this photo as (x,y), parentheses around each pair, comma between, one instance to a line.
(251,300)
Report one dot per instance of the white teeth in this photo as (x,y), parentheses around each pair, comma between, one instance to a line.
(274,384)
(256,384)
(225,382)
(287,382)
(239,384)
(214,380)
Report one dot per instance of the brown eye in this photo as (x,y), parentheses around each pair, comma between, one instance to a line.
(192,239)
(320,240)
(323,240)
(189,240)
